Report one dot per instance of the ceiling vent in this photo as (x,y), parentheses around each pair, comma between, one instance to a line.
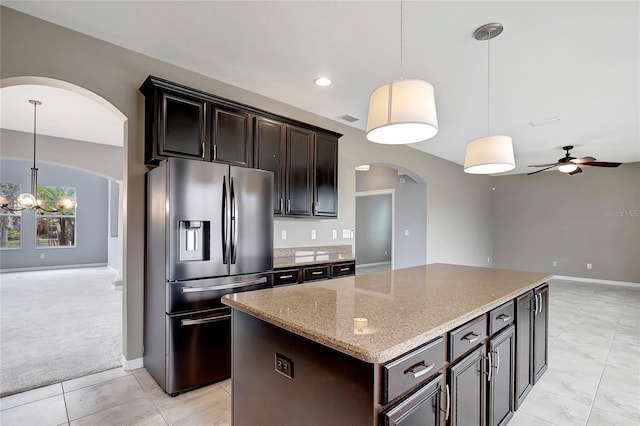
(349,118)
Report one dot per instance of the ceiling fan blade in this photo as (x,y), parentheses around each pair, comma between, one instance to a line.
(545,165)
(600,164)
(578,170)
(541,170)
(583,160)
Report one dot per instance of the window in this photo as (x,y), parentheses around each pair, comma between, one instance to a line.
(55,229)
(9,221)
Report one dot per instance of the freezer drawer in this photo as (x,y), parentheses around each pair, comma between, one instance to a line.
(194,295)
(198,349)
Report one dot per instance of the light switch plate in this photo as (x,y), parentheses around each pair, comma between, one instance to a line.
(313,234)
(334,233)
(284,234)
(346,233)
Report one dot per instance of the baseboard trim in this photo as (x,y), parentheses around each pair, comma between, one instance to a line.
(44,268)
(366,265)
(131,364)
(597,281)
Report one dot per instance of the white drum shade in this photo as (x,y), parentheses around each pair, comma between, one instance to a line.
(489,155)
(401,112)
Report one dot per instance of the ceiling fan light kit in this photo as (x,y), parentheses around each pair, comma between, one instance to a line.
(571,165)
(403,111)
(490,154)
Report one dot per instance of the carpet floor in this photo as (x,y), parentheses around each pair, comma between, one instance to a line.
(57,325)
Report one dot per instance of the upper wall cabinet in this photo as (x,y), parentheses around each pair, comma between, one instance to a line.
(184,122)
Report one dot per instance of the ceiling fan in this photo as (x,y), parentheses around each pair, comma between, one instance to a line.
(569,164)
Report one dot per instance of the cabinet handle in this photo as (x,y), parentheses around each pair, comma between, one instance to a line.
(448,402)
(215,152)
(288,205)
(497,360)
(419,369)
(504,317)
(540,304)
(202,150)
(281,204)
(535,311)
(344,269)
(471,337)
(317,273)
(286,276)
(490,367)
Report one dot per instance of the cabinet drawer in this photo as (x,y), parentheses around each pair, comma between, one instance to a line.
(412,369)
(501,317)
(315,273)
(288,276)
(467,337)
(342,269)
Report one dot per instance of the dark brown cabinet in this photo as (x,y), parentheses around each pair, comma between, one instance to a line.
(467,387)
(231,136)
(270,145)
(501,378)
(320,271)
(422,407)
(532,313)
(188,123)
(325,202)
(175,126)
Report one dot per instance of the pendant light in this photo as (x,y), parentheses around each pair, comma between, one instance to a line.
(489,154)
(402,111)
(29,200)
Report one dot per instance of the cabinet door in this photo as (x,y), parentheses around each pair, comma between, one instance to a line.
(181,126)
(299,171)
(467,385)
(232,138)
(326,177)
(502,349)
(269,139)
(524,340)
(540,331)
(420,408)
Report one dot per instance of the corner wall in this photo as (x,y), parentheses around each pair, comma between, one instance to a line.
(592,217)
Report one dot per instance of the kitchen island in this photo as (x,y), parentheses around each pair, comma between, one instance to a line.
(388,346)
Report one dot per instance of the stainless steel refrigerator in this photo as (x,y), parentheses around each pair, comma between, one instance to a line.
(209,232)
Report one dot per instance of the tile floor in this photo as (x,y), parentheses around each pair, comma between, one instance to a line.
(593,377)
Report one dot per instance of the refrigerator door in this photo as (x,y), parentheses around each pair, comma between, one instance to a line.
(251,232)
(198,227)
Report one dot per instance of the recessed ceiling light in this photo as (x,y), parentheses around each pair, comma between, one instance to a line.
(322,81)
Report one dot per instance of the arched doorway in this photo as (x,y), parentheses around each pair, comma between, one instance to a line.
(82,135)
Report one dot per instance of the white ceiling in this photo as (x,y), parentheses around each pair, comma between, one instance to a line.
(579,61)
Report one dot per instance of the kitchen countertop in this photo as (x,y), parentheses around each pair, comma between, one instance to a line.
(300,256)
(404,308)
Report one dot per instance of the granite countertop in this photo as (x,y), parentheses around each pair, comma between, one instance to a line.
(299,256)
(404,308)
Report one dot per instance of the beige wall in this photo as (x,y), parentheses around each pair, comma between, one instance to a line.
(592,217)
(458,205)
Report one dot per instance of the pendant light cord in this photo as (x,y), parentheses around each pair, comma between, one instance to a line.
(489,83)
(401,74)
(35,106)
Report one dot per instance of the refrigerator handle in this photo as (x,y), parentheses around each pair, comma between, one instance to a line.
(225,220)
(234,222)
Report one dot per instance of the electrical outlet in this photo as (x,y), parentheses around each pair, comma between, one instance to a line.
(313,234)
(589,266)
(42,256)
(555,263)
(406,232)
(334,234)
(488,260)
(284,234)
(346,233)
(284,365)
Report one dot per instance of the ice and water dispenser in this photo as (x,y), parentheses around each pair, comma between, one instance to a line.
(193,244)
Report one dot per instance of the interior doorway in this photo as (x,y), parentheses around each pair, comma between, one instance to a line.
(72,294)
(391,218)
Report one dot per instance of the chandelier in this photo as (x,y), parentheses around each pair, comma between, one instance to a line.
(29,200)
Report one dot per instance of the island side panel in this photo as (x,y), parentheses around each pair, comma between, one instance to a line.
(328,387)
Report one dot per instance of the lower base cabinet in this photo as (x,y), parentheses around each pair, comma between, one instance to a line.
(467,386)
(501,378)
(421,408)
